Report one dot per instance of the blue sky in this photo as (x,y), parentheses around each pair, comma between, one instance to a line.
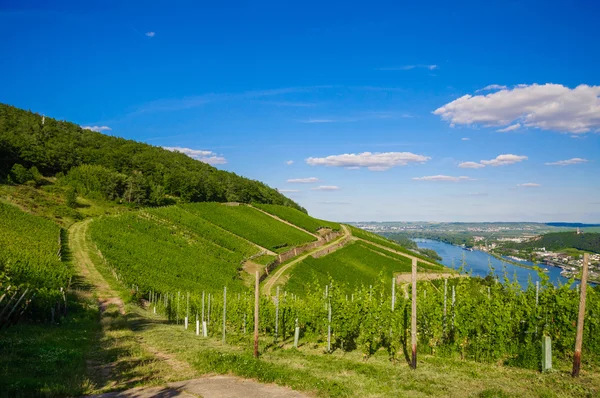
(379,106)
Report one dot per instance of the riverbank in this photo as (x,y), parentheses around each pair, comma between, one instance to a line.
(516,263)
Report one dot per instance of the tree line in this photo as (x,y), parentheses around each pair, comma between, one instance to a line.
(114,168)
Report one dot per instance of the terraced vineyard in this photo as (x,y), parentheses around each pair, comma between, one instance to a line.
(252,225)
(380,240)
(165,254)
(357,264)
(30,258)
(183,219)
(298,218)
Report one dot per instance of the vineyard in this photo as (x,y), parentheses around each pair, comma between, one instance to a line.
(298,218)
(356,264)
(252,225)
(380,240)
(481,320)
(156,253)
(32,273)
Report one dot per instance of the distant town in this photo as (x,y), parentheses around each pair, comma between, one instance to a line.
(515,242)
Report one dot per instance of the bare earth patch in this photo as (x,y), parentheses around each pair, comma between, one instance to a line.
(210,387)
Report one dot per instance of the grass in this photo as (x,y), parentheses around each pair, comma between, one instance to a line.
(48,201)
(347,374)
(160,255)
(298,218)
(355,264)
(49,360)
(251,224)
(380,240)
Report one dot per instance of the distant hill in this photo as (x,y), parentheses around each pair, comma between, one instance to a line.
(563,240)
(571,224)
(115,168)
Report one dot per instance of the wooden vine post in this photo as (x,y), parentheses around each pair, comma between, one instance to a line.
(413,323)
(580,318)
(256,300)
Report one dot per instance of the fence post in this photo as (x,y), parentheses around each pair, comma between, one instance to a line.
(276,313)
(445,301)
(296,334)
(413,323)
(546,353)
(224,312)
(580,318)
(203,306)
(329,329)
(256,308)
(393,294)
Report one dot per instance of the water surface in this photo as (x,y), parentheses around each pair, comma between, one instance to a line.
(477,262)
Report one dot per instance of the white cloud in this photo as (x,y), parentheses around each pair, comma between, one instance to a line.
(471,165)
(289,162)
(308,180)
(465,139)
(503,160)
(409,67)
(491,87)
(567,162)
(443,178)
(512,127)
(318,121)
(529,185)
(326,188)
(288,190)
(547,107)
(97,129)
(150,34)
(198,154)
(372,161)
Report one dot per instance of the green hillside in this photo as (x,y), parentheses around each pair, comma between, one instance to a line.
(113,168)
(380,240)
(252,225)
(167,250)
(356,264)
(30,256)
(298,218)
(556,241)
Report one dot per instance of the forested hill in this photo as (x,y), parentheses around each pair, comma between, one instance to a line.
(563,240)
(116,168)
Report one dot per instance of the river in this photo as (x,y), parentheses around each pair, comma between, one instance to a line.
(478,263)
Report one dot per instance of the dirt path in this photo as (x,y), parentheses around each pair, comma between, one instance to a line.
(429,276)
(279,274)
(82,261)
(286,222)
(210,387)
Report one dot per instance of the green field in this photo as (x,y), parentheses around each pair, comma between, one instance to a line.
(298,218)
(380,240)
(165,255)
(183,220)
(30,257)
(356,264)
(252,225)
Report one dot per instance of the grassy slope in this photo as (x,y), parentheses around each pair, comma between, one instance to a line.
(186,221)
(162,256)
(380,240)
(298,218)
(252,225)
(355,264)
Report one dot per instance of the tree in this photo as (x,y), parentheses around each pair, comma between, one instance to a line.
(19,174)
